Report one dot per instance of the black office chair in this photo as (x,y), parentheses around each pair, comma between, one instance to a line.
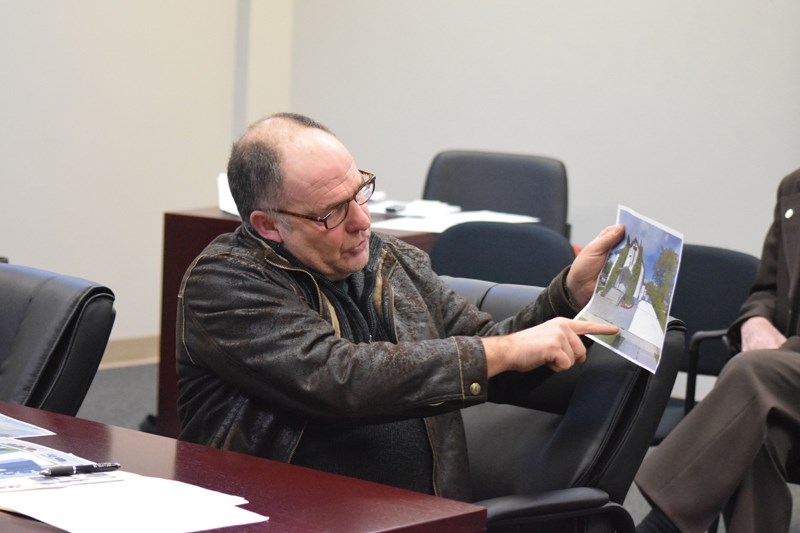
(526,254)
(712,285)
(510,183)
(566,460)
(53,332)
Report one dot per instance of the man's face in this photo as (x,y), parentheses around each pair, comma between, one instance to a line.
(319,174)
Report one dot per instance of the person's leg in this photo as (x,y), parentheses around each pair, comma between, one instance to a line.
(748,510)
(699,466)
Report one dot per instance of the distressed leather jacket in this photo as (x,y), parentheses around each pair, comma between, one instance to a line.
(258,353)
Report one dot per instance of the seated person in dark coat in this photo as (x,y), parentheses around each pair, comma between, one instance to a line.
(304,337)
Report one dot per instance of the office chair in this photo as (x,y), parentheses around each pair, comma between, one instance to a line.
(510,183)
(53,332)
(526,254)
(566,459)
(712,285)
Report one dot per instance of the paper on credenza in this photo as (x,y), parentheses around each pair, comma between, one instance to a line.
(224,196)
(439,223)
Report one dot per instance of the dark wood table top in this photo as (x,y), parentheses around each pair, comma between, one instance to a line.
(295,498)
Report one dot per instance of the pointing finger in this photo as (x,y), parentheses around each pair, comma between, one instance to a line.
(596,328)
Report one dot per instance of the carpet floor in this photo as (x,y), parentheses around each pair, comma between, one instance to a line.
(122,396)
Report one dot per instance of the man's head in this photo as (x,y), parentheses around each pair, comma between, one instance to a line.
(288,169)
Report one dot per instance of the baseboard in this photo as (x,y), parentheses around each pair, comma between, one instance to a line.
(130,352)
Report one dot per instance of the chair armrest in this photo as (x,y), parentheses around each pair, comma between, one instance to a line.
(696,340)
(555,505)
(542,503)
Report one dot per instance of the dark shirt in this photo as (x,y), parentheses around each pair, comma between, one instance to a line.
(394,453)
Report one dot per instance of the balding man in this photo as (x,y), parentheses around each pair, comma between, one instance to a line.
(306,338)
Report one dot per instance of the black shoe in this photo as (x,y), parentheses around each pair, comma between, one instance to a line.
(656,522)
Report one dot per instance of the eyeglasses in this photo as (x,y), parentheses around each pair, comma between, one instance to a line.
(337,215)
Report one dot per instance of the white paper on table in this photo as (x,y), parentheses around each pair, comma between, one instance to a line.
(439,223)
(21,463)
(14,429)
(136,503)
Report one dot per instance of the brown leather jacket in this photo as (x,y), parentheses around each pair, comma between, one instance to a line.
(259,354)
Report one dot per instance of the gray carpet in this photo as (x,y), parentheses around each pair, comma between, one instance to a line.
(122,396)
(126,396)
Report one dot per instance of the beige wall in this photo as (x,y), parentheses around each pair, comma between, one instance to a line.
(686,111)
(270,58)
(112,113)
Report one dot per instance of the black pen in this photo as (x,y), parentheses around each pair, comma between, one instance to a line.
(79,469)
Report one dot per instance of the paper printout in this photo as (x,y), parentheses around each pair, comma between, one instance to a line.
(16,429)
(634,291)
(90,503)
(21,463)
(135,504)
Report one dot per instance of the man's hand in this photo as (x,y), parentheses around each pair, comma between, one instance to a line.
(758,333)
(582,276)
(555,343)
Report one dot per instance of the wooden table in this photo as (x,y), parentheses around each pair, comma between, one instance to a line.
(295,498)
(186,233)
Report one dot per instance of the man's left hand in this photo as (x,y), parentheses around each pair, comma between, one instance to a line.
(582,276)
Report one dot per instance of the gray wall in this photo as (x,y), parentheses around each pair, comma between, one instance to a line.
(688,112)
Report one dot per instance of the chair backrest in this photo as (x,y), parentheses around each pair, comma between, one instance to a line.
(587,427)
(511,183)
(53,332)
(712,285)
(527,254)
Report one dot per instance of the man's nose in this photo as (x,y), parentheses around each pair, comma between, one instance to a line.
(358,218)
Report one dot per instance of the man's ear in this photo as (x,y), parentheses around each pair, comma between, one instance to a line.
(266,226)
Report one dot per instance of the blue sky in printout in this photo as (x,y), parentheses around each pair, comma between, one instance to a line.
(652,237)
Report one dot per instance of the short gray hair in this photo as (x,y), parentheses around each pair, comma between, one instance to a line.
(254,167)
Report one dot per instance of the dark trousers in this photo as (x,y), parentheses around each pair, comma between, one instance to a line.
(732,455)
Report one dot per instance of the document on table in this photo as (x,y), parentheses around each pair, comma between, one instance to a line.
(21,463)
(13,428)
(439,222)
(134,504)
(108,501)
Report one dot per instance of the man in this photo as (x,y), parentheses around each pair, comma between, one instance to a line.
(734,452)
(303,337)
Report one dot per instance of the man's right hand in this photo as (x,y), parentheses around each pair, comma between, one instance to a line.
(555,343)
(758,333)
